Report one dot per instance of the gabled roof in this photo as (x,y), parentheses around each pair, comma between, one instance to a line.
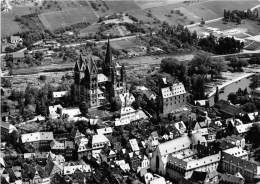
(243,128)
(174,145)
(236,151)
(99,138)
(37,136)
(174,90)
(106,130)
(127,110)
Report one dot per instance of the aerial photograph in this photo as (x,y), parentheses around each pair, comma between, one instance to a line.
(130,92)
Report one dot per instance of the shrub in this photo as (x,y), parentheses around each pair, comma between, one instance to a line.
(42,77)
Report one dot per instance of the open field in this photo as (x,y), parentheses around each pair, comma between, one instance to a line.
(91,29)
(8,24)
(58,19)
(252,28)
(43,68)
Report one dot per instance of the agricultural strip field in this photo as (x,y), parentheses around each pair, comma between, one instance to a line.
(122,6)
(44,68)
(70,16)
(195,11)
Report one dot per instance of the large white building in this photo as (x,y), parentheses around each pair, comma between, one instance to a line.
(172,98)
(160,155)
(183,168)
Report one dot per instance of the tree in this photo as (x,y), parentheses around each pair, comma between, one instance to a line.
(115,104)
(198,88)
(83,107)
(249,107)
(232,97)
(255,81)
(253,135)
(202,22)
(216,97)
(200,64)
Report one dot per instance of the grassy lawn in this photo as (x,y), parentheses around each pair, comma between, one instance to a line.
(124,44)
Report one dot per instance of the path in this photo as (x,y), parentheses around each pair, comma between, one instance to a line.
(206,22)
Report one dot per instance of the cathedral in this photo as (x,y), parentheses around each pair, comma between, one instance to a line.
(98,85)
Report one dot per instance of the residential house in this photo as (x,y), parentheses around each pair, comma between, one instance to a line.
(78,136)
(70,167)
(99,141)
(154,179)
(180,126)
(129,114)
(16,40)
(134,146)
(83,148)
(6,128)
(236,140)
(59,94)
(145,162)
(251,117)
(65,148)
(243,128)
(126,99)
(123,165)
(57,111)
(107,155)
(107,131)
(134,160)
(17,57)
(237,152)
(40,141)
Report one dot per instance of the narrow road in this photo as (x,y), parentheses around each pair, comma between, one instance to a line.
(206,22)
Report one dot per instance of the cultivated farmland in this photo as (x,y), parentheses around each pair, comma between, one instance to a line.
(195,11)
(59,19)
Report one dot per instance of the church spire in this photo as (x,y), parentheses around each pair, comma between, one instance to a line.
(108,58)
